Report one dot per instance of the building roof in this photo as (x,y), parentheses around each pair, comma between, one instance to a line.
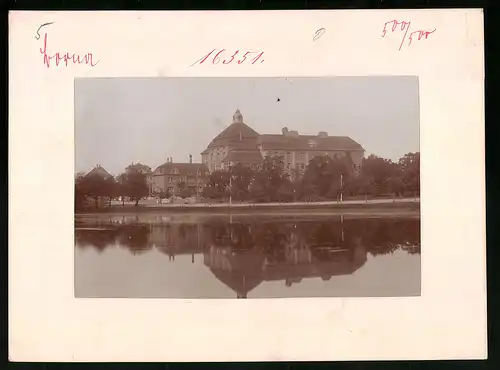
(99,170)
(302,142)
(183,168)
(238,282)
(237,133)
(234,134)
(243,156)
(139,167)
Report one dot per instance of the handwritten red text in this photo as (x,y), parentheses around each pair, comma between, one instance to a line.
(405,26)
(65,58)
(228,57)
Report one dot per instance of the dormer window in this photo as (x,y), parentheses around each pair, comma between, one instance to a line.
(312,144)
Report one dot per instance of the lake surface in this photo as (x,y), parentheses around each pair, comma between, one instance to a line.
(258,256)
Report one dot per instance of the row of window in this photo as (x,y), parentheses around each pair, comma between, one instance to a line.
(288,155)
(176,172)
(171,189)
(217,154)
(183,178)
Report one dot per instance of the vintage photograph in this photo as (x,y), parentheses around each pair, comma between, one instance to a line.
(280,187)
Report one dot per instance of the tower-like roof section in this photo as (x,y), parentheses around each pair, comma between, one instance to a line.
(237,133)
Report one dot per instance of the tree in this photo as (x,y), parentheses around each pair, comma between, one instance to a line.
(80,191)
(325,177)
(110,189)
(269,179)
(410,171)
(93,186)
(121,187)
(218,185)
(378,172)
(135,186)
(241,177)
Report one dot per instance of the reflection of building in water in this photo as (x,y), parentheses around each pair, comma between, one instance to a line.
(243,271)
(174,239)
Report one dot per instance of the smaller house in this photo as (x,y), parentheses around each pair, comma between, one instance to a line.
(180,178)
(138,167)
(99,170)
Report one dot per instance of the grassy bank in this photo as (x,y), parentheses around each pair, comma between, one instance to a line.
(388,207)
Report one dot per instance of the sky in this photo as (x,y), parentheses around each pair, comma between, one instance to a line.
(119,121)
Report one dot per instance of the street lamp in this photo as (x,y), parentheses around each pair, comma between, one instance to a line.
(230,190)
(341,185)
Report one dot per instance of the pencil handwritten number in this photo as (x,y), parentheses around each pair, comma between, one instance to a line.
(227,58)
(405,26)
(39,28)
(319,33)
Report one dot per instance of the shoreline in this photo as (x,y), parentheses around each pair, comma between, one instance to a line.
(361,207)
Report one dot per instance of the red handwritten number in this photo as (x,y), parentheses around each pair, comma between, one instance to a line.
(244,57)
(257,58)
(203,59)
(405,26)
(420,35)
(232,57)
(217,56)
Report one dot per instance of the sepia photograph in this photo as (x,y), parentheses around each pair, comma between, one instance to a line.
(283,187)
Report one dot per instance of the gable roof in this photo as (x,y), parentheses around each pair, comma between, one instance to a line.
(100,171)
(301,142)
(183,168)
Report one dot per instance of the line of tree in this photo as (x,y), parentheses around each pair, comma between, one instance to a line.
(324,178)
(130,185)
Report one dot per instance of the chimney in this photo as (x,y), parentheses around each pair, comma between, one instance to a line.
(190,158)
(284,131)
(322,134)
(171,160)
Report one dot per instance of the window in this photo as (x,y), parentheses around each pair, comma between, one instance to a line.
(170,179)
(213,166)
(212,156)
(301,156)
(288,166)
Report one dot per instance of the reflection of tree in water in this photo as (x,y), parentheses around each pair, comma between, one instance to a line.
(135,238)
(379,236)
(98,239)
(325,238)
(383,236)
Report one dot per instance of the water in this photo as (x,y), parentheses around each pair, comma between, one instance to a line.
(246,257)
